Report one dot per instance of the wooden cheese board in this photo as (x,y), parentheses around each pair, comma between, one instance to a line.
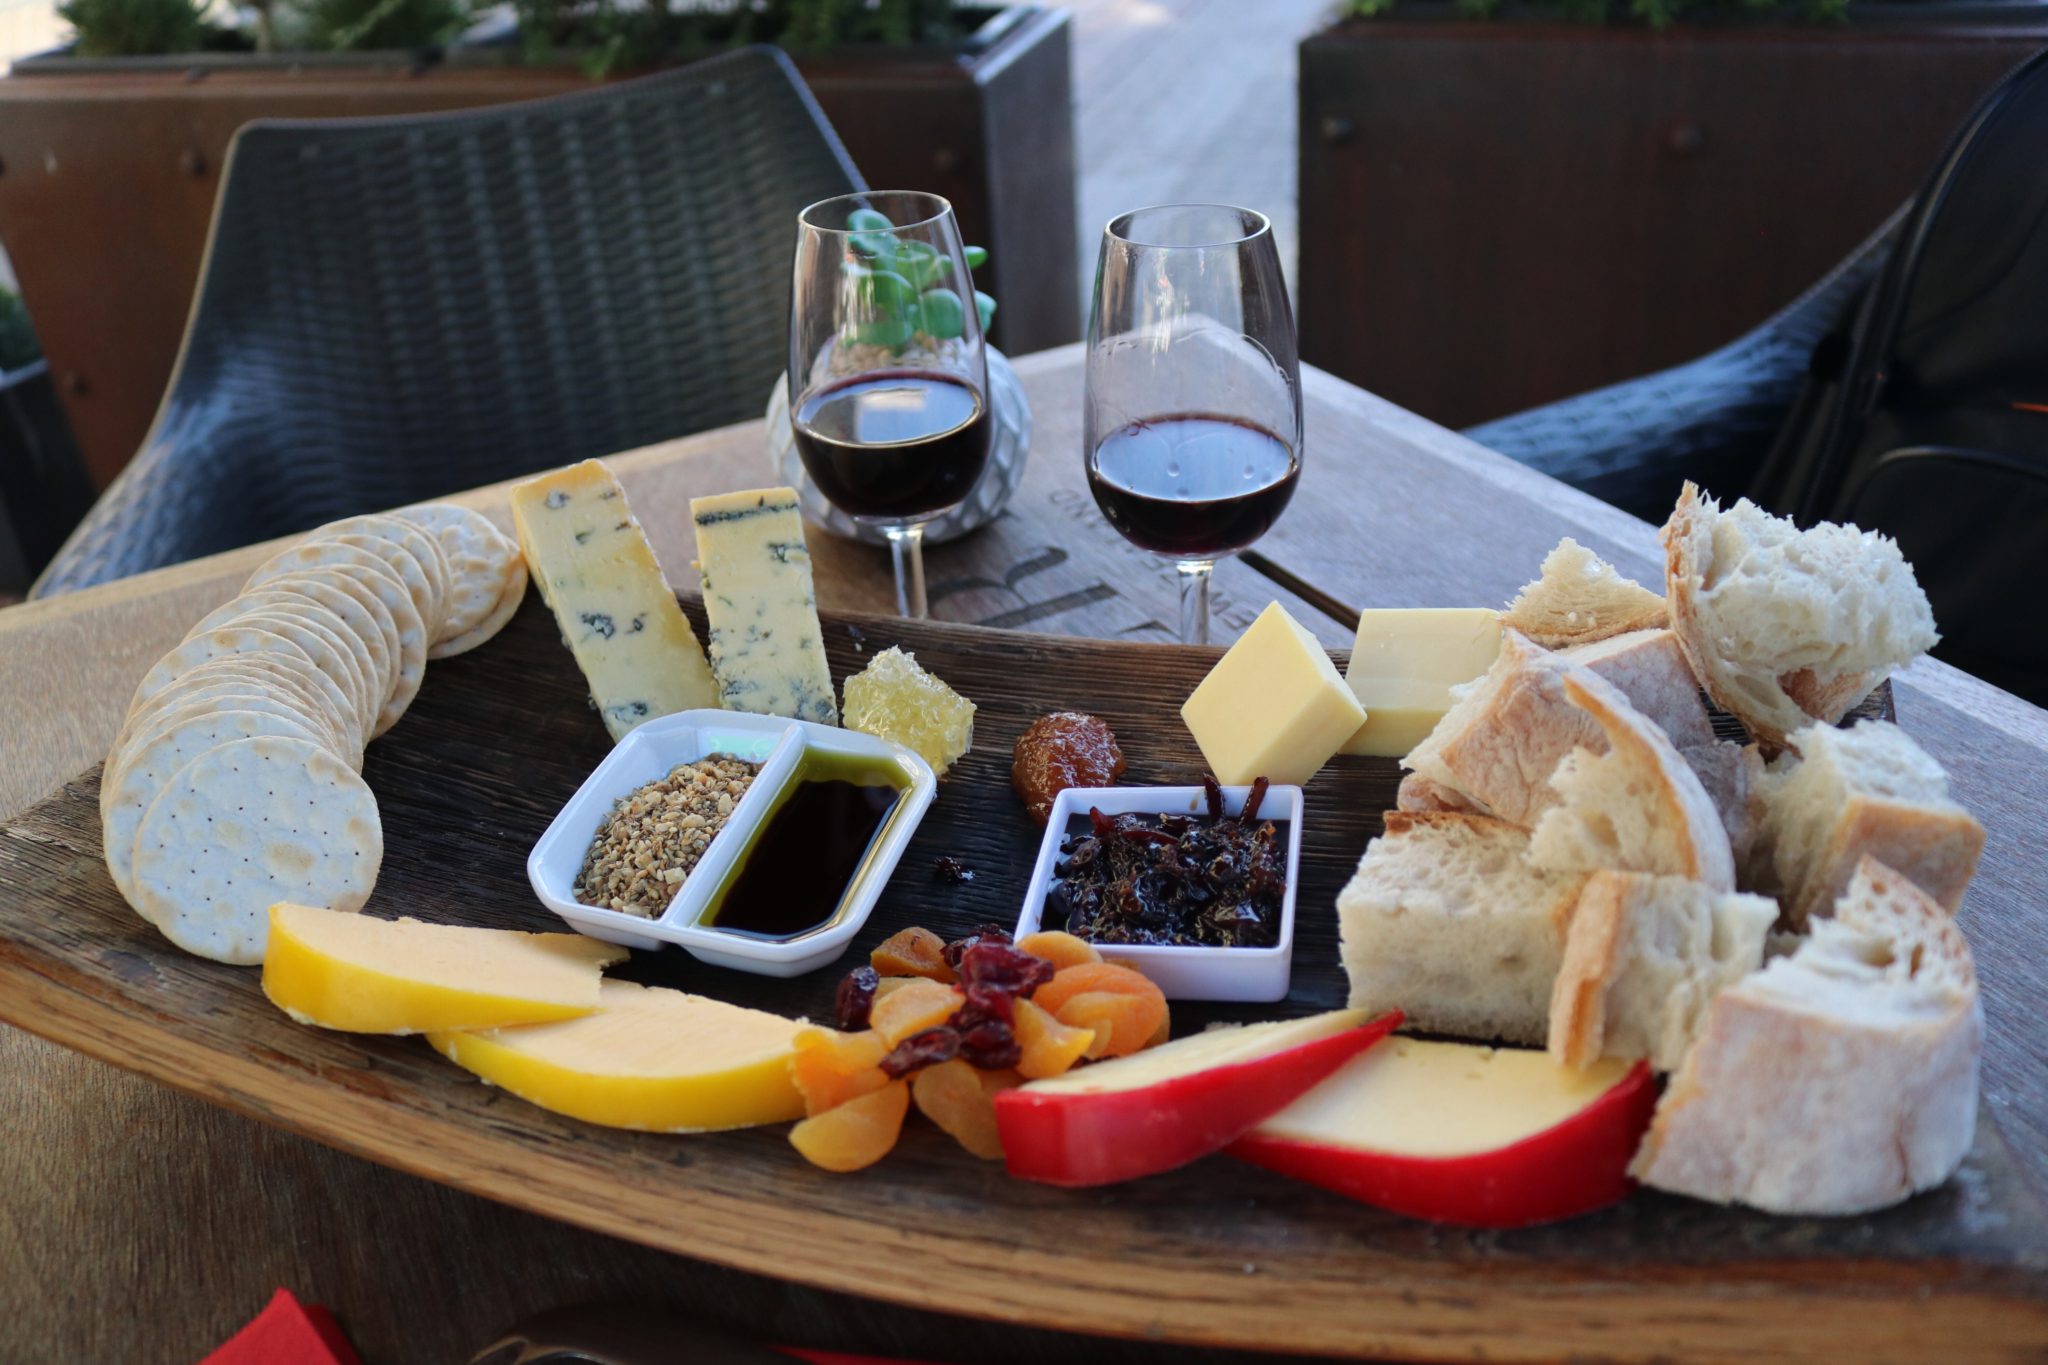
(1218,1253)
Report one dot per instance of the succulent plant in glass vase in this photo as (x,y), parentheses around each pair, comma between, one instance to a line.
(911,316)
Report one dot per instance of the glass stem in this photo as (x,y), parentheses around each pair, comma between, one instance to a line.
(1194,600)
(906,550)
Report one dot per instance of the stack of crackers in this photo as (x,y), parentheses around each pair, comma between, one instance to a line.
(235,781)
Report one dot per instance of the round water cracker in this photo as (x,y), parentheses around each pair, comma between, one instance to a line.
(289,675)
(413,543)
(246,825)
(394,558)
(218,694)
(368,617)
(324,647)
(368,687)
(154,762)
(212,645)
(229,672)
(515,593)
(480,561)
(373,571)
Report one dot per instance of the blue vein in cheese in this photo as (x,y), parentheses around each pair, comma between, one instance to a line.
(766,648)
(617,614)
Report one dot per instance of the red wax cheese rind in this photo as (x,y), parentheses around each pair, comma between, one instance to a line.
(1173,1104)
(1567,1168)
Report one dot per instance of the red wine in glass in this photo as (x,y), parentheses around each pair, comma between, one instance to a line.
(894,444)
(1192,485)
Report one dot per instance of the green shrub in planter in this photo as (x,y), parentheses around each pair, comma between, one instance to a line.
(134,28)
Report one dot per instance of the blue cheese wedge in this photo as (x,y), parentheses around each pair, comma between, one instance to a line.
(618,616)
(766,649)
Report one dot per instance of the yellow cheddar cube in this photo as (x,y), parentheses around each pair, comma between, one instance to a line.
(650,1058)
(1404,664)
(1273,706)
(360,974)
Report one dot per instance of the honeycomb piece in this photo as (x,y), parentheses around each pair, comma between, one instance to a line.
(893,699)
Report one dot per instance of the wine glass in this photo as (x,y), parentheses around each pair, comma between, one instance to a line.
(1192,417)
(888,378)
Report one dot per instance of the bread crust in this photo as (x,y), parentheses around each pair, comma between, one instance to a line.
(1595,933)
(1541,611)
(1935,849)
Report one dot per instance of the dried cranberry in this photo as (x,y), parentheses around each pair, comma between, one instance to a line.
(1003,966)
(920,1050)
(855,999)
(948,869)
(986,933)
(986,1000)
(990,1045)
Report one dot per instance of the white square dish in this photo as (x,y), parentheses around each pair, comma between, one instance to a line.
(657,748)
(1191,973)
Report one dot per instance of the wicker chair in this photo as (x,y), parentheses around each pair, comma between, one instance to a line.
(1712,420)
(397,308)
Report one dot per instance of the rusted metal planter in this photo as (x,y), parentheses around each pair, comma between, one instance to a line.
(108,171)
(1495,215)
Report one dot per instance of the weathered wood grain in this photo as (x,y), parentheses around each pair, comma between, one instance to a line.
(1217,1255)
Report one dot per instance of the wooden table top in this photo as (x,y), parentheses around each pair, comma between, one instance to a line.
(145,1225)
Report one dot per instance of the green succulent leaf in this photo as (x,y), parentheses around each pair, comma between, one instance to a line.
(868,220)
(943,315)
(985,308)
(887,292)
(977,257)
(892,332)
(876,246)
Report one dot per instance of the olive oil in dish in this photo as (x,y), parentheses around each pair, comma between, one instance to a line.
(805,855)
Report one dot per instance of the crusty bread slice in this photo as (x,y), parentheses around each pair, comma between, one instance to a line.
(1580,598)
(1504,734)
(1733,776)
(1446,920)
(1865,790)
(1837,1080)
(1642,958)
(1783,625)
(1637,807)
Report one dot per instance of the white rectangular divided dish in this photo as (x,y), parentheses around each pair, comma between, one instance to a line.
(1198,973)
(655,749)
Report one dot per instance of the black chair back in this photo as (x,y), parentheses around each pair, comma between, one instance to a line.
(396,308)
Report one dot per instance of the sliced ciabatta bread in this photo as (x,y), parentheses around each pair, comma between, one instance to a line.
(1580,598)
(1637,807)
(1446,920)
(1869,790)
(1784,625)
(1836,1080)
(1504,734)
(1642,958)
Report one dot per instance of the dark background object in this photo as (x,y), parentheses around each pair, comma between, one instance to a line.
(108,172)
(393,309)
(43,486)
(1496,215)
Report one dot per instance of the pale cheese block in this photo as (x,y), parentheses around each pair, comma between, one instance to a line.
(1403,666)
(1227,1045)
(766,648)
(1416,1097)
(360,974)
(1272,707)
(652,1059)
(616,611)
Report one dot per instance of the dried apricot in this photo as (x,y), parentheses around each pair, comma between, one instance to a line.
(857,1133)
(912,1009)
(952,1095)
(1046,1046)
(1092,976)
(1058,948)
(1122,1024)
(912,952)
(831,1068)
(1162,1034)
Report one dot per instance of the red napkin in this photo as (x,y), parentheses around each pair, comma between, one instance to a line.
(287,1332)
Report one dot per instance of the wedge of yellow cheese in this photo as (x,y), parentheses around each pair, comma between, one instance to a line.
(1272,707)
(342,970)
(653,1059)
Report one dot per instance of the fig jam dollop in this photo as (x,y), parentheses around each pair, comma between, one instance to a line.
(1062,750)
